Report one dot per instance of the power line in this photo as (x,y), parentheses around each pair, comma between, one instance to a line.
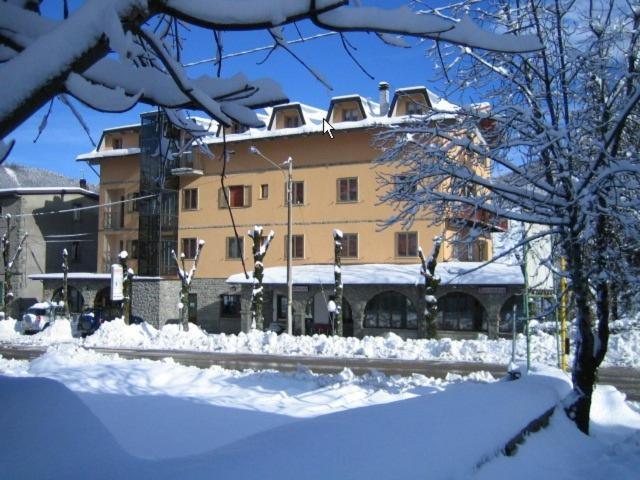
(77,209)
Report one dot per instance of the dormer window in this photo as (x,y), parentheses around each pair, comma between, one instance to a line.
(350,115)
(116,143)
(291,121)
(238,128)
(414,108)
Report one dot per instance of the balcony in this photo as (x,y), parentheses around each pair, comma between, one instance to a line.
(113,220)
(473,215)
(187,165)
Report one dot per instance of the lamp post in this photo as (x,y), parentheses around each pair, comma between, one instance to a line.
(289,176)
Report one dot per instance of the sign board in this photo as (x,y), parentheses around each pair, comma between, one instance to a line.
(300,288)
(117,293)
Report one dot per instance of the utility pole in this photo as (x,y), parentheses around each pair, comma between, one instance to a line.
(289,246)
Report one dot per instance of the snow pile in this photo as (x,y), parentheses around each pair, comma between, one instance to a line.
(10,329)
(117,334)
(624,347)
(58,331)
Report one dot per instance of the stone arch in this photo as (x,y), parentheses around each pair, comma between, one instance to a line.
(390,309)
(461,311)
(76,300)
(506,314)
(103,301)
(317,315)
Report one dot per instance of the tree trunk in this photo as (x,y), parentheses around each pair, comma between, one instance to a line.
(65,282)
(428,270)
(337,277)
(259,250)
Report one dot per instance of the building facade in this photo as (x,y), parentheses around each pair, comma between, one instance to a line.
(51,209)
(168,195)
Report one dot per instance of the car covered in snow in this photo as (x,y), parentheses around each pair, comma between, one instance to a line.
(91,319)
(41,315)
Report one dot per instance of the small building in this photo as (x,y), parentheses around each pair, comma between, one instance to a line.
(55,212)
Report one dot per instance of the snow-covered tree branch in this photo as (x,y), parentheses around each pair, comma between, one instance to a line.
(111,54)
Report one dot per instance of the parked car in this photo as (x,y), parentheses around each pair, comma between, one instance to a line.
(90,320)
(40,315)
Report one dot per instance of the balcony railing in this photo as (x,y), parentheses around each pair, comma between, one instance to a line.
(482,216)
(187,164)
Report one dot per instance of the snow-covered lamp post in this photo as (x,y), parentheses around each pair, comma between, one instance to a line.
(127,284)
(337,276)
(427,326)
(260,249)
(65,282)
(9,263)
(185,281)
(289,177)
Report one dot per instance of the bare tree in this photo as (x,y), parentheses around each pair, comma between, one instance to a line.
(148,37)
(9,263)
(555,134)
(428,326)
(338,287)
(260,249)
(185,282)
(64,295)
(127,286)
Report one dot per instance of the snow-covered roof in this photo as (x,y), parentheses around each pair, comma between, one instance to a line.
(451,273)
(312,122)
(47,191)
(14,177)
(117,152)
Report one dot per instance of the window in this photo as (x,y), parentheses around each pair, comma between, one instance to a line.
(282,306)
(297,193)
(406,244)
(133,249)
(235,247)
(414,108)
(189,246)
(404,184)
(264,191)
(297,246)
(238,128)
(76,212)
(190,199)
(482,250)
(350,115)
(121,246)
(390,310)
(230,305)
(238,195)
(116,143)
(75,252)
(348,189)
(291,122)
(133,203)
(350,245)
(459,311)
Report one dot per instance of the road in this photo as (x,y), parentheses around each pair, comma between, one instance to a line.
(625,379)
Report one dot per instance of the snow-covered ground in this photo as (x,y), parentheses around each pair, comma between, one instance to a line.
(78,414)
(624,346)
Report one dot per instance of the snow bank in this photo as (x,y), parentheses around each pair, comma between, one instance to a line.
(624,347)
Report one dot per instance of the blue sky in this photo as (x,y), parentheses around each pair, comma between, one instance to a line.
(64,138)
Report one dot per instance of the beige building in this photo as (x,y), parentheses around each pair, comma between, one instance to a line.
(335,185)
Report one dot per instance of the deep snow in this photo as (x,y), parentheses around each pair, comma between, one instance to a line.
(144,419)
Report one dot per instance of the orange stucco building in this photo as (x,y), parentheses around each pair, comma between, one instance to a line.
(162,196)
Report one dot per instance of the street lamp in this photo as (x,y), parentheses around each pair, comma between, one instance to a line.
(289,162)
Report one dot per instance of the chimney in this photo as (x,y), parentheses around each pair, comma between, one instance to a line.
(384,98)
(83,183)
